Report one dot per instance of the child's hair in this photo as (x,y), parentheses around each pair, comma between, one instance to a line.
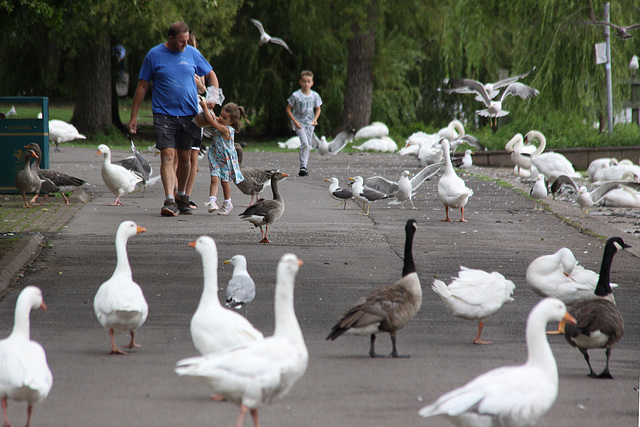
(304,73)
(236,113)
(192,40)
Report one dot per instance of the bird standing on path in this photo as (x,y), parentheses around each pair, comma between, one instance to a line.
(266,38)
(138,164)
(27,179)
(118,179)
(386,309)
(241,289)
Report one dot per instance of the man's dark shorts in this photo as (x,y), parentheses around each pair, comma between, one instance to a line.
(176,132)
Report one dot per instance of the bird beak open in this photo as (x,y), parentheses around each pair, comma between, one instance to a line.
(192,244)
(43,306)
(569,319)
(140,230)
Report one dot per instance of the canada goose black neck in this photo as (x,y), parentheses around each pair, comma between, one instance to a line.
(604,288)
(409,267)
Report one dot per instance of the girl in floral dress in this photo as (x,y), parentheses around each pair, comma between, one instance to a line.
(223,159)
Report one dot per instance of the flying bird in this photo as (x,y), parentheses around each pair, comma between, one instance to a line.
(339,142)
(494,108)
(621,32)
(266,38)
(492,89)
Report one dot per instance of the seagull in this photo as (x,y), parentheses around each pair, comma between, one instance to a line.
(241,289)
(464,162)
(365,195)
(585,198)
(404,188)
(494,108)
(539,190)
(492,89)
(341,194)
(633,64)
(138,164)
(621,32)
(266,38)
(339,142)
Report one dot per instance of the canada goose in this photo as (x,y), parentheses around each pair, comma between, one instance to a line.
(599,322)
(266,212)
(510,395)
(27,179)
(52,181)
(386,309)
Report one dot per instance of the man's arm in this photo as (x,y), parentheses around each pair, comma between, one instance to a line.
(141,92)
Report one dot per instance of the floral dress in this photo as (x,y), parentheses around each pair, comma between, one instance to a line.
(223,158)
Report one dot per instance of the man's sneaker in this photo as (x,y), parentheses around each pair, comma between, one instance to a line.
(212,207)
(225,209)
(303,171)
(183,205)
(170,208)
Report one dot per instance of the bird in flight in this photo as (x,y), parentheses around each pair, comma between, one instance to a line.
(620,32)
(266,38)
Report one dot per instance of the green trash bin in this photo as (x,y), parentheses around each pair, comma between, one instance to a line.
(16,131)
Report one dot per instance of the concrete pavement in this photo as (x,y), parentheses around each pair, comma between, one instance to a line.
(346,256)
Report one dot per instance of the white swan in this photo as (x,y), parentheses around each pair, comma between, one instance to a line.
(374,130)
(119,303)
(550,164)
(597,166)
(454,130)
(24,372)
(241,289)
(622,197)
(475,295)
(383,144)
(511,395)
(214,328)
(520,155)
(117,178)
(452,191)
(262,372)
(625,170)
(621,193)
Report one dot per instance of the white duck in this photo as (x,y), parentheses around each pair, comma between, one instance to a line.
(374,130)
(119,303)
(264,371)
(475,295)
(214,328)
(383,144)
(560,276)
(24,372)
(511,395)
(60,131)
(452,191)
(241,289)
(117,178)
(550,164)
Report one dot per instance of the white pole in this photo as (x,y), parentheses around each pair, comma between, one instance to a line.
(607,39)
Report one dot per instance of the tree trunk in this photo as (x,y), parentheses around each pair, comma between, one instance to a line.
(358,95)
(93,100)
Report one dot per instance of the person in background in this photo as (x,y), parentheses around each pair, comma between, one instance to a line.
(171,66)
(223,158)
(303,109)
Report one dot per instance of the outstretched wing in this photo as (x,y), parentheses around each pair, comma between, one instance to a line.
(259,25)
(521,90)
(474,85)
(340,141)
(281,42)
(381,184)
(422,176)
(469,140)
(563,180)
(509,80)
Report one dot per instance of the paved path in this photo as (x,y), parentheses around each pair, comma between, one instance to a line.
(346,255)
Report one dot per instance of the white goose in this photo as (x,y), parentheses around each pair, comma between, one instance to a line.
(241,289)
(560,276)
(511,395)
(550,164)
(24,372)
(117,178)
(475,295)
(214,328)
(383,144)
(452,191)
(264,371)
(119,303)
(61,131)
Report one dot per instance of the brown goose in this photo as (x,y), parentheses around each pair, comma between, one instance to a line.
(52,181)
(599,322)
(254,178)
(27,180)
(387,309)
(266,212)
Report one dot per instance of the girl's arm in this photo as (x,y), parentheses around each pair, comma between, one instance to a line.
(211,119)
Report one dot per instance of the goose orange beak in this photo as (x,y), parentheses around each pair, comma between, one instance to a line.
(300,263)
(43,306)
(140,230)
(569,319)
(192,244)
(98,153)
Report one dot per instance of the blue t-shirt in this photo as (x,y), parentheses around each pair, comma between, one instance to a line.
(174,89)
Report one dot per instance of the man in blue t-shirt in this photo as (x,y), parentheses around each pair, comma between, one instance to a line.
(171,66)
